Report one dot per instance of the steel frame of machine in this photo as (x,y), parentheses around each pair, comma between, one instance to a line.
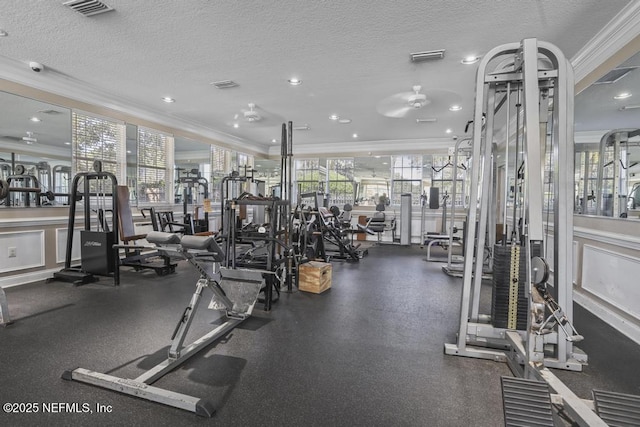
(547,342)
(5,319)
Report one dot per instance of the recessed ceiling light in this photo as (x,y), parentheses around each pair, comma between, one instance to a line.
(168,99)
(448,131)
(235,125)
(273,141)
(623,95)
(35,119)
(355,135)
(294,81)
(377,157)
(455,108)
(344,121)
(67,143)
(3,33)
(334,117)
(470,60)
(128,151)
(385,163)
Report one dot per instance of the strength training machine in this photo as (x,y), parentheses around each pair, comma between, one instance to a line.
(99,195)
(235,292)
(530,326)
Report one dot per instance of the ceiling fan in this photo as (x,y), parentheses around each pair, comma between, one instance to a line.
(414,103)
(29,139)
(254,116)
(251,115)
(400,104)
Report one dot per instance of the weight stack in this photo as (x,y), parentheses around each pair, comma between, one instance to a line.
(508,301)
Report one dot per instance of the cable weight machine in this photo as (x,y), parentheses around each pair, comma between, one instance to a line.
(99,190)
(529,84)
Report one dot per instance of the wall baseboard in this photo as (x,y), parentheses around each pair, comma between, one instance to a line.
(626,326)
(23,279)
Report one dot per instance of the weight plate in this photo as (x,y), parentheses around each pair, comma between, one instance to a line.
(539,270)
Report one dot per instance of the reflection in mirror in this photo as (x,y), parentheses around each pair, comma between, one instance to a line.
(610,104)
(372,175)
(192,179)
(192,163)
(35,139)
(439,170)
(268,171)
(132,163)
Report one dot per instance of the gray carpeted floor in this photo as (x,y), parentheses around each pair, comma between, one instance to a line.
(367,352)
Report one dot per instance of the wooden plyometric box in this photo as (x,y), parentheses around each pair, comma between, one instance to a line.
(315,277)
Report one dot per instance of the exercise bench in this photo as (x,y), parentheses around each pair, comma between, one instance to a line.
(235,292)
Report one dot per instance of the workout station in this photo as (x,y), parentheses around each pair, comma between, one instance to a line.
(456,241)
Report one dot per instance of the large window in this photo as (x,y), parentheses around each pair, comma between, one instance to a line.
(153,173)
(308,176)
(220,167)
(96,138)
(406,177)
(341,181)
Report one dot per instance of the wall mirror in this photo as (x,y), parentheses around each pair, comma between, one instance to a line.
(192,173)
(35,140)
(372,177)
(608,181)
(132,163)
(268,171)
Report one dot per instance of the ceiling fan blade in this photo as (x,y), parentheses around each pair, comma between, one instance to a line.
(395,106)
(397,113)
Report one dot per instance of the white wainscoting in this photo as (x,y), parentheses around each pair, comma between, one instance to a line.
(61,244)
(29,250)
(613,277)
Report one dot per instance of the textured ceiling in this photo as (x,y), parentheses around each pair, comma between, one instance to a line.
(351,55)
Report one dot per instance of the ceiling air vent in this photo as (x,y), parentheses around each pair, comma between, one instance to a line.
(427,56)
(224,84)
(614,75)
(88,7)
(303,127)
(51,112)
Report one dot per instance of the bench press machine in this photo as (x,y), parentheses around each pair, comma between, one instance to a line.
(235,292)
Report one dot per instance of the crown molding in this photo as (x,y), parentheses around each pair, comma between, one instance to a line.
(618,33)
